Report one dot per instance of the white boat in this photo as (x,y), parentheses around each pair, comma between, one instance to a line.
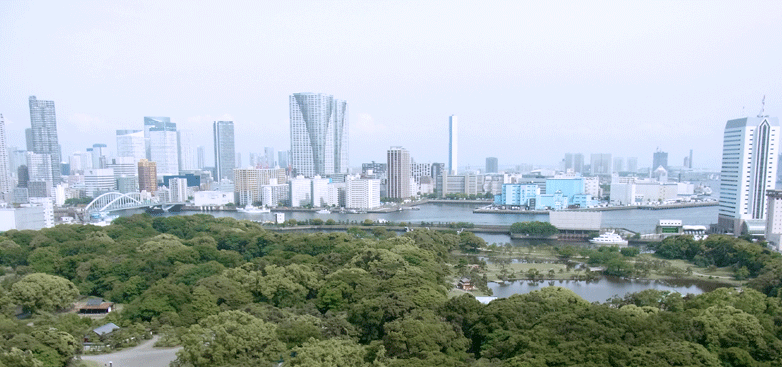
(250,209)
(323,211)
(609,238)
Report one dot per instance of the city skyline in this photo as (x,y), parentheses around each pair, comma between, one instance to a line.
(633,76)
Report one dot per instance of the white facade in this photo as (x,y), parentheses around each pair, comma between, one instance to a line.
(592,186)
(39,167)
(249,181)
(273,195)
(177,190)
(130,143)
(749,169)
(453,145)
(774,220)
(98,181)
(212,198)
(187,150)
(163,151)
(362,194)
(300,191)
(320,191)
(123,166)
(337,194)
(319,134)
(5,165)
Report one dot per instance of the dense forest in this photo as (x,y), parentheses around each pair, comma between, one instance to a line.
(234,294)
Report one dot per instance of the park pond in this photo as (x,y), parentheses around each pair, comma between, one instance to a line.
(604,288)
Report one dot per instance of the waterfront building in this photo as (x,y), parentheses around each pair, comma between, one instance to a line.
(147,176)
(43,136)
(163,148)
(187,150)
(212,198)
(362,194)
(453,141)
(225,151)
(492,165)
(659,159)
(300,191)
(99,181)
(5,165)
(518,195)
(398,164)
(320,191)
(749,168)
(131,143)
(248,183)
(319,134)
(467,184)
(177,190)
(600,164)
(274,195)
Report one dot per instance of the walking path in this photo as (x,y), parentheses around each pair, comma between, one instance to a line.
(143,355)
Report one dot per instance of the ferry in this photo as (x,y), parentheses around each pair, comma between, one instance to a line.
(323,211)
(250,209)
(609,238)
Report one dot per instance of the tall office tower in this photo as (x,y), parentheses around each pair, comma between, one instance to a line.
(28,136)
(659,158)
(187,150)
(689,162)
(491,165)
(39,167)
(270,159)
(131,143)
(86,162)
(319,134)
(225,152)
(98,156)
(147,176)
(399,173)
(578,163)
(44,133)
(5,164)
(453,146)
(567,162)
(177,190)
(238,159)
(632,164)
(601,163)
(619,164)
(283,158)
(201,157)
(22,176)
(161,136)
(749,168)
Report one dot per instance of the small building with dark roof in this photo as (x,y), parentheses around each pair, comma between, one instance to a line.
(96,306)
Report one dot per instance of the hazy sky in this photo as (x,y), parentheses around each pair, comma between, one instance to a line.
(529,81)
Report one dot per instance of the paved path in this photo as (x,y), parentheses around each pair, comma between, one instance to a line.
(143,355)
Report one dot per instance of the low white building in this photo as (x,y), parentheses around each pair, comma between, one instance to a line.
(178,190)
(362,194)
(300,191)
(212,198)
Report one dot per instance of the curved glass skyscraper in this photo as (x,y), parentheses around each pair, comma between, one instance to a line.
(319,134)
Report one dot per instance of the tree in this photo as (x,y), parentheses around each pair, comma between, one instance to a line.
(43,292)
(328,353)
(231,338)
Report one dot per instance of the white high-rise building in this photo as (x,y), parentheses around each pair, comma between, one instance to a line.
(319,134)
(39,167)
(177,189)
(362,194)
(749,168)
(99,181)
(130,143)
(43,132)
(5,165)
(452,145)
(187,150)
(161,137)
(300,191)
(399,173)
(225,151)
(320,191)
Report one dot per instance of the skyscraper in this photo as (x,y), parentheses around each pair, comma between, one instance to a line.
(632,164)
(131,143)
(399,173)
(749,168)
(162,144)
(319,134)
(5,165)
(187,150)
(491,165)
(200,153)
(225,152)
(43,121)
(578,163)
(98,156)
(452,145)
(659,159)
(147,176)
(601,163)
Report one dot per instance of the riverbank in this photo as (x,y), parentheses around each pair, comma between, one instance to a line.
(695,204)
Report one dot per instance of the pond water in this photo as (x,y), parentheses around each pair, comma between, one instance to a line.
(602,289)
